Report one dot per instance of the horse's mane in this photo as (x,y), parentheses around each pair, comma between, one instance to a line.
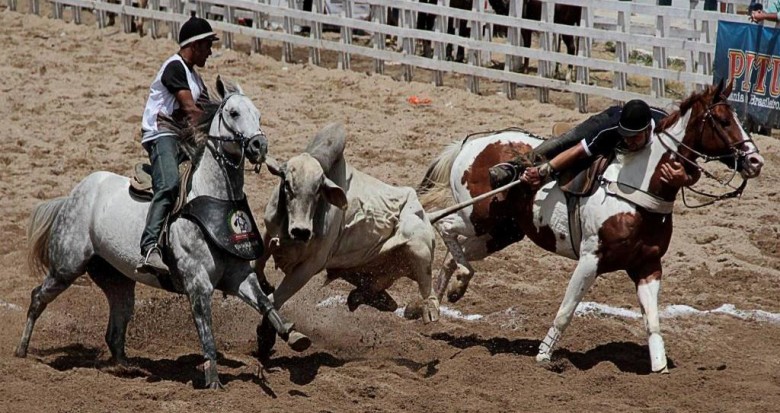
(192,138)
(673,117)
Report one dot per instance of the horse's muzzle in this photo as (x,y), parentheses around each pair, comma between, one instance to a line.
(257,148)
(751,165)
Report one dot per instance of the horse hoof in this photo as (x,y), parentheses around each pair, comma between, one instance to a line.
(298,341)
(664,370)
(431,310)
(543,359)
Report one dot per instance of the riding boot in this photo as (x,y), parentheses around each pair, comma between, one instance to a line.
(153,263)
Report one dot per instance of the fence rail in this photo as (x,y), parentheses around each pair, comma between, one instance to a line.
(684,32)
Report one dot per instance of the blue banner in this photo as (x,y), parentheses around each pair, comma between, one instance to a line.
(749,54)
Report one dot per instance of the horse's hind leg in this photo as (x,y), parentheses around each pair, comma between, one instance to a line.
(120,292)
(53,285)
(581,281)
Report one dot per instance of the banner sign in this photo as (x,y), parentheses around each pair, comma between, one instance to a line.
(749,55)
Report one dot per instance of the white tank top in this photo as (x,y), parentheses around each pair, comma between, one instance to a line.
(162,101)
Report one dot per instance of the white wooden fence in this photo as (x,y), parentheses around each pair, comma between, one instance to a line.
(685,32)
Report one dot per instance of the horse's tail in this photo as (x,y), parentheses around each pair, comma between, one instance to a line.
(39,234)
(434,190)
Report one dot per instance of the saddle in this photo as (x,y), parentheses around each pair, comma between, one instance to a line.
(141,183)
(583,178)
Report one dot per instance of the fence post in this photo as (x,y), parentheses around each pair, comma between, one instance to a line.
(259,23)
(474,55)
(127,20)
(57,10)
(318,6)
(380,16)
(439,48)
(512,62)
(545,40)
(154,25)
(35,7)
(76,14)
(346,38)
(287,47)
(620,79)
(659,56)
(584,50)
(12,5)
(405,17)
(229,18)
(178,8)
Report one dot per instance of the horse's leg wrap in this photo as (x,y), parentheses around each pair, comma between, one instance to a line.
(657,353)
(548,344)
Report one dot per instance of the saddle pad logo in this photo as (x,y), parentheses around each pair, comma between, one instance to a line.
(241,225)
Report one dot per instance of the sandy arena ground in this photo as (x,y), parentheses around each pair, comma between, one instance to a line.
(72,98)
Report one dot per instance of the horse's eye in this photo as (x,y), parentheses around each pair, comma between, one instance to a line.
(233,113)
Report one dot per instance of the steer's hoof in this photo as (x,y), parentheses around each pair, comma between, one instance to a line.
(413,311)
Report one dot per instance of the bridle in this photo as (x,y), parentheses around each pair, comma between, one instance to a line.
(736,153)
(237,136)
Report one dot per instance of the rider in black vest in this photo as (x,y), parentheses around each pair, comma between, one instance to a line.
(628,128)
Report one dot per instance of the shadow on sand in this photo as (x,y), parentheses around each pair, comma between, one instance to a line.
(626,356)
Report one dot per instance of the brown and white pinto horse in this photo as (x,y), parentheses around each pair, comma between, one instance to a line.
(614,233)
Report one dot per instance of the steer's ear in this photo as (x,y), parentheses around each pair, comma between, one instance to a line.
(273,166)
(333,193)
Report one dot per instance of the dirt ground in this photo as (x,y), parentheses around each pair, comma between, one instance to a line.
(72,98)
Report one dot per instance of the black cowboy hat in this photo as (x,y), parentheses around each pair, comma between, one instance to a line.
(634,118)
(196,29)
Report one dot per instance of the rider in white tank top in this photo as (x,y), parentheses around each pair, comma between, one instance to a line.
(162,101)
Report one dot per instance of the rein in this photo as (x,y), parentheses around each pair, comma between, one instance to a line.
(736,154)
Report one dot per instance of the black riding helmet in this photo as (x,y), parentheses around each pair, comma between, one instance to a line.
(196,29)
(634,118)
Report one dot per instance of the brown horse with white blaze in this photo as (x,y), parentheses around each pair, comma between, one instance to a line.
(626,224)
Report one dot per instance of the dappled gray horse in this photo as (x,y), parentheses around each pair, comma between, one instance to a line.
(97,229)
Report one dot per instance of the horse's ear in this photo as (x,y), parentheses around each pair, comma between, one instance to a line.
(273,166)
(226,87)
(718,91)
(727,90)
(220,87)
